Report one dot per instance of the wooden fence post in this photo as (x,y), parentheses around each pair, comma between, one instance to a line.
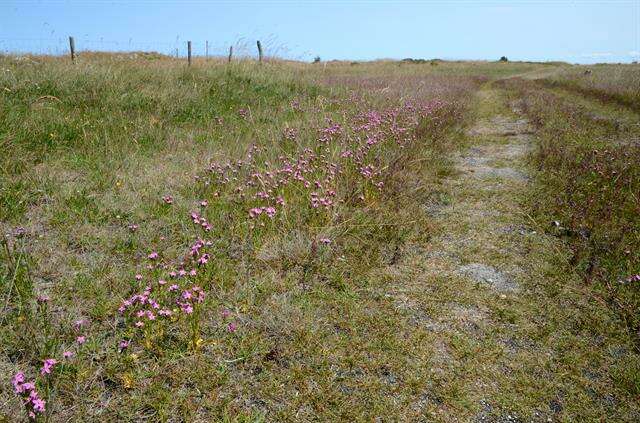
(230,53)
(189,52)
(206,50)
(259,51)
(72,49)
(176,52)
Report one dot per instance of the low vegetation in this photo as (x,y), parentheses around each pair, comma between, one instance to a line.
(607,83)
(216,242)
(589,184)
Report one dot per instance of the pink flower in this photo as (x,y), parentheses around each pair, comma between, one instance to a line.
(18,381)
(48,366)
(167,199)
(256,211)
(173,287)
(231,327)
(68,354)
(123,345)
(38,405)
(139,324)
(226,313)
(138,277)
(81,339)
(204,203)
(133,227)
(325,241)
(153,256)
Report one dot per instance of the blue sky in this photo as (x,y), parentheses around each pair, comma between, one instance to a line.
(575,31)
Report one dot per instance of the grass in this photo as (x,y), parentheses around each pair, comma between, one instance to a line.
(586,156)
(607,83)
(107,162)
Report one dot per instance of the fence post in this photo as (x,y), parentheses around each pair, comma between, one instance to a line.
(206,50)
(72,49)
(189,52)
(176,52)
(230,53)
(259,51)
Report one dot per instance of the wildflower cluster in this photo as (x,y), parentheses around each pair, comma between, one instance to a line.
(342,164)
(28,391)
(342,151)
(167,294)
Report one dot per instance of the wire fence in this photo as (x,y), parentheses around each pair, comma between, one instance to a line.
(58,46)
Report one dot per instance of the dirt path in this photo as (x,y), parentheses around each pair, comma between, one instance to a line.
(494,297)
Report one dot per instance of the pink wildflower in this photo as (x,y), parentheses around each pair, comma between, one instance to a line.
(256,211)
(18,383)
(38,403)
(48,366)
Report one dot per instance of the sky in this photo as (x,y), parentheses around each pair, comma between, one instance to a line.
(578,31)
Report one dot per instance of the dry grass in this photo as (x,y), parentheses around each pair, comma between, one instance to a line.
(608,83)
(376,324)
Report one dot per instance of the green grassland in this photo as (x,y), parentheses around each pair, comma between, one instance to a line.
(294,192)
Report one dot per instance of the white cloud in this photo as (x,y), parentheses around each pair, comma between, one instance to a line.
(634,53)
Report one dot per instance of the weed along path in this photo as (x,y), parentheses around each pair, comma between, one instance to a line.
(502,315)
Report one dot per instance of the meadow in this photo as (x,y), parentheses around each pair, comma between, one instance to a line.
(221,242)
